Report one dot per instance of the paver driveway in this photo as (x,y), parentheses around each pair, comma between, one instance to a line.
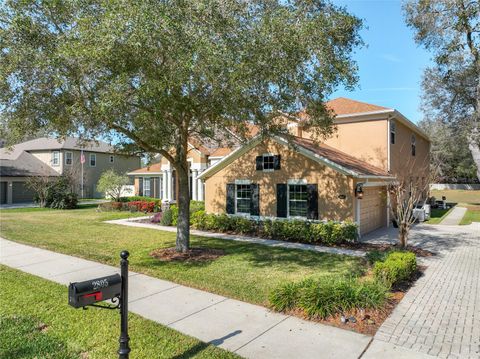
(440,315)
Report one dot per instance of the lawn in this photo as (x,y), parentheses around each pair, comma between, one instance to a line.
(247,272)
(457,196)
(472,214)
(36,322)
(437,215)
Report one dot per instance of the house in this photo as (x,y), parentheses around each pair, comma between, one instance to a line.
(343,178)
(51,157)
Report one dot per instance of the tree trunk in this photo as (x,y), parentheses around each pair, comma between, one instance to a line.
(183,198)
(403,234)
(474,147)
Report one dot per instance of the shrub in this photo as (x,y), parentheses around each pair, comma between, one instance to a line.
(198,220)
(397,266)
(196,206)
(166,219)
(174,210)
(326,296)
(112,183)
(141,206)
(242,225)
(63,200)
(376,256)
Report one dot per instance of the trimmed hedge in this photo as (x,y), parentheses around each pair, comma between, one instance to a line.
(291,230)
(327,296)
(397,267)
(134,206)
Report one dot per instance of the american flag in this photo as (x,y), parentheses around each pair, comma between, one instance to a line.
(82,158)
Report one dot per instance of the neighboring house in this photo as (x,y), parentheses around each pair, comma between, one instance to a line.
(344,178)
(52,157)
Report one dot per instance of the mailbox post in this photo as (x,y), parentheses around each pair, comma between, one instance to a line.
(113,287)
(124,349)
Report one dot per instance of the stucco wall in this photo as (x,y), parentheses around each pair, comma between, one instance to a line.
(403,164)
(46,157)
(366,140)
(331,184)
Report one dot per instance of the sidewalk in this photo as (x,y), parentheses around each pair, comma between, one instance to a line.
(454,217)
(249,330)
(134,222)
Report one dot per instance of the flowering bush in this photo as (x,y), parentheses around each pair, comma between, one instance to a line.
(141,206)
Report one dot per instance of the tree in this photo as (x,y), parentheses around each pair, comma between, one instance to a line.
(112,184)
(451,29)
(41,186)
(153,74)
(450,158)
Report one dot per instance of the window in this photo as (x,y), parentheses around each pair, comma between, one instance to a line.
(55,158)
(392,132)
(93,159)
(146,187)
(68,158)
(414,145)
(297,200)
(268,162)
(242,198)
(112,158)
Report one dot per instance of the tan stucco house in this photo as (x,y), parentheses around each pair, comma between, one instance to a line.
(372,147)
(52,157)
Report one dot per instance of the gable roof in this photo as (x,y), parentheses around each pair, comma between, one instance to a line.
(155,168)
(69,143)
(346,106)
(320,153)
(23,164)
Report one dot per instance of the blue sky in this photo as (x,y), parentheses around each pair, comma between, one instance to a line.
(391,65)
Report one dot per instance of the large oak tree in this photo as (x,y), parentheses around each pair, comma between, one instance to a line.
(152,74)
(451,30)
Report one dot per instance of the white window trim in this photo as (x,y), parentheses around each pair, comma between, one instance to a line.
(241,182)
(90,159)
(53,156)
(263,162)
(149,186)
(295,182)
(71,158)
(111,159)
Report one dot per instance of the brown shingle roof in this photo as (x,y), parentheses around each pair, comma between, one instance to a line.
(156,167)
(220,152)
(340,158)
(346,106)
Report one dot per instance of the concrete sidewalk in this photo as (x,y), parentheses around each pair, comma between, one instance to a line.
(454,217)
(136,222)
(249,330)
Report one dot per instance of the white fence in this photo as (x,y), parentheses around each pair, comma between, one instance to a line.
(464,186)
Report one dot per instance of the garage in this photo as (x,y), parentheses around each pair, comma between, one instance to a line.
(21,193)
(3,192)
(373,209)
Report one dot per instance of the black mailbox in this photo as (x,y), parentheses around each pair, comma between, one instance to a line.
(81,294)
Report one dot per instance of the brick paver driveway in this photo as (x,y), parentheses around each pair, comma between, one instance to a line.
(440,315)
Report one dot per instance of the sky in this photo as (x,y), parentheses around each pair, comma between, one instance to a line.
(391,64)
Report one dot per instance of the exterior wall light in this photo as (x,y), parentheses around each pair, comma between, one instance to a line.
(359,190)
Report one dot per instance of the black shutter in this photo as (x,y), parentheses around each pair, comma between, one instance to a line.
(254,200)
(230,198)
(312,201)
(276,162)
(259,163)
(281,200)
(157,187)
(140,186)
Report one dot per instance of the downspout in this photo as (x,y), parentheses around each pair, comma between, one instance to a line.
(388,167)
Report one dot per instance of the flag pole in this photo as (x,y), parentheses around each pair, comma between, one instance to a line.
(82,160)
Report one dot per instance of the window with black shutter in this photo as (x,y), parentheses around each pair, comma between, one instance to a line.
(230,198)
(255,200)
(312,201)
(267,162)
(140,186)
(281,200)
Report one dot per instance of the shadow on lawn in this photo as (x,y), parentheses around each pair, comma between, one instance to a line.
(202,346)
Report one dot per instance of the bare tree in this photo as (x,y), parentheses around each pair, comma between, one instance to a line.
(41,186)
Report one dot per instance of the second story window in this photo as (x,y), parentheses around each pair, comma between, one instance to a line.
(268,162)
(68,158)
(93,159)
(56,158)
(112,158)
(392,132)
(414,145)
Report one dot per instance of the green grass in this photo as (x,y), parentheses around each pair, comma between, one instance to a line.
(437,215)
(247,272)
(36,322)
(457,196)
(472,215)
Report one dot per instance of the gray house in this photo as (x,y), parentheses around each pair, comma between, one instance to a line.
(53,157)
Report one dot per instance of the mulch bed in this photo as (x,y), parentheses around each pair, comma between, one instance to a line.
(192,255)
(369,320)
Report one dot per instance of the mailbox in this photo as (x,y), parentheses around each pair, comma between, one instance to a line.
(81,294)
